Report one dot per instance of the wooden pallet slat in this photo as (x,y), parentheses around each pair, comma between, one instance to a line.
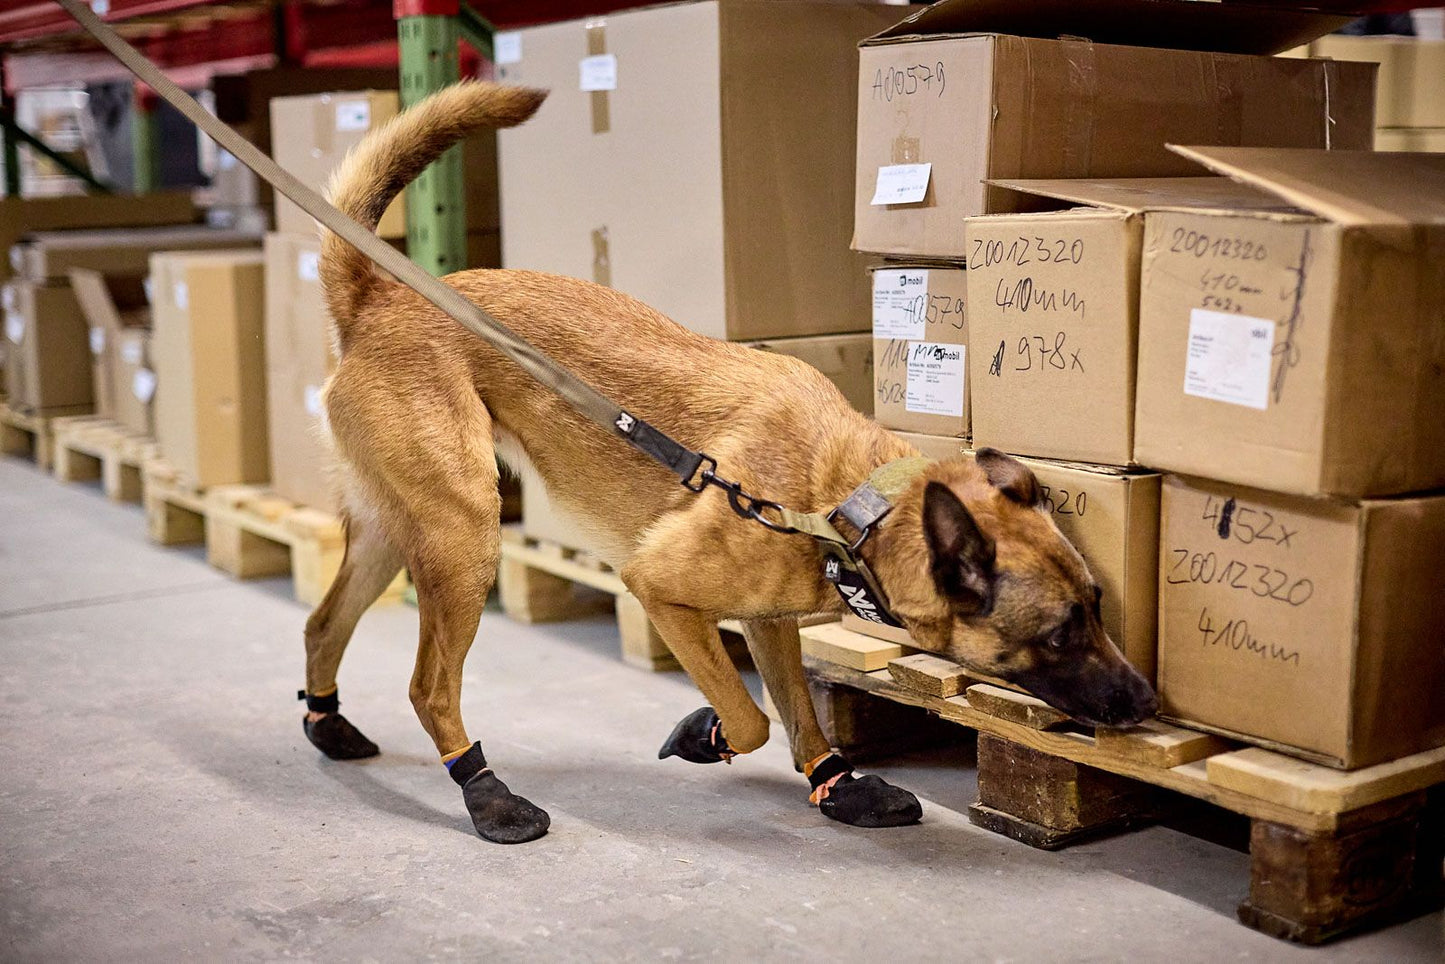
(1315,788)
(929,674)
(88,447)
(31,435)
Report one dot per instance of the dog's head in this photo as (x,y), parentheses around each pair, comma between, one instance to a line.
(973,564)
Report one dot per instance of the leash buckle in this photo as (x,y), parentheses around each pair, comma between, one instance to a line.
(705,477)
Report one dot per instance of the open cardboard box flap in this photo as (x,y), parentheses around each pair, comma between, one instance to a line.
(1352,188)
(1137,194)
(1239,28)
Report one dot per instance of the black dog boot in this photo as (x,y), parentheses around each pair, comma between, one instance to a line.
(698,739)
(333,734)
(860,801)
(498,814)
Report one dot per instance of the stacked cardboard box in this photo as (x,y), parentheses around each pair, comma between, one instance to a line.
(699,157)
(48,360)
(1295,361)
(1410,90)
(119,317)
(956,105)
(208,351)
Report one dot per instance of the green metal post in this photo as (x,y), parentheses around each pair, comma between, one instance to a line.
(436,215)
(145,140)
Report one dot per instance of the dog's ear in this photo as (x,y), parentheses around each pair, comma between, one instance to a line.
(1011,477)
(961,555)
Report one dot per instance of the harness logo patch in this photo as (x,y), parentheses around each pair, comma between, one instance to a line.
(831,570)
(625,422)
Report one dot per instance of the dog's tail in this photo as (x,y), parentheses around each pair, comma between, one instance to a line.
(390,158)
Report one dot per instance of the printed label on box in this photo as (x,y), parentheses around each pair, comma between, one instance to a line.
(225,160)
(130,352)
(353,115)
(507,48)
(935,379)
(14,327)
(143,385)
(1228,358)
(97,340)
(901,183)
(900,303)
(8,299)
(308,266)
(599,72)
(181,295)
(17,257)
(311,398)
(149,289)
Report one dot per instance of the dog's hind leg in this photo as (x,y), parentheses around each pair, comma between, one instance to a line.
(368,566)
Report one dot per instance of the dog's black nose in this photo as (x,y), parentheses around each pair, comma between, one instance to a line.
(1133,700)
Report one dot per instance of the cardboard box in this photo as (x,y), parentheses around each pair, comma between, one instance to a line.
(1111,515)
(47,361)
(310,136)
(1307,624)
(847,361)
(951,98)
(208,350)
(49,255)
(1428,139)
(1300,353)
(1053,305)
(714,180)
(299,359)
(920,348)
(134,381)
(109,306)
(1410,85)
(19,216)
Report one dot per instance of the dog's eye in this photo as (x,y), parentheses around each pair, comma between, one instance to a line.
(1059,638)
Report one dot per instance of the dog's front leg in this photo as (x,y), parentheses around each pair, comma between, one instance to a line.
(778,653)
(861,801)
(732,723)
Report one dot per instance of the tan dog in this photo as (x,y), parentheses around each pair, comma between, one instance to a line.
(420,409)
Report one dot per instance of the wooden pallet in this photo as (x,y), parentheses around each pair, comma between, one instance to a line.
(1332,852)
(542,582)
(30,435)
(88,447)
(249,532)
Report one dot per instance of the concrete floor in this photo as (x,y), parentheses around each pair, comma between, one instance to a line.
(158,799)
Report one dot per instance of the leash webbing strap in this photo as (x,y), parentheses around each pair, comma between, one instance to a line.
(679,459)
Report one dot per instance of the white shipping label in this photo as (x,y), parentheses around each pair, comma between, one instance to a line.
(901,183)
(149,289)
(900,303)
(311,398)
(17,257)
(935,379)
(507,48)
(143,385)
(97,340)
(1228,358)
(353,115)
(9,299)
(14,327)
(599,72)
(130,352)
(225,160)
(181,295)
(308,266)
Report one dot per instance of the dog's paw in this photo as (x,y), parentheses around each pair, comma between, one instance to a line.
(697,739)
(499,814)
(870,801)
(334,735)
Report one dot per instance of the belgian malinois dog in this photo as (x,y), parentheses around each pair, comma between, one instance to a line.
(420,409)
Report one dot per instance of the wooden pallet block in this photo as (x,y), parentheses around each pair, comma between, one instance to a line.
(929,674)
(87,448)
(30,435)
(175,511)
(1375,836)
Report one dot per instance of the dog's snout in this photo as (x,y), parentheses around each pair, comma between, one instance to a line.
(1133,700)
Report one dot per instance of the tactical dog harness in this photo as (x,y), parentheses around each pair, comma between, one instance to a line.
(843,565)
